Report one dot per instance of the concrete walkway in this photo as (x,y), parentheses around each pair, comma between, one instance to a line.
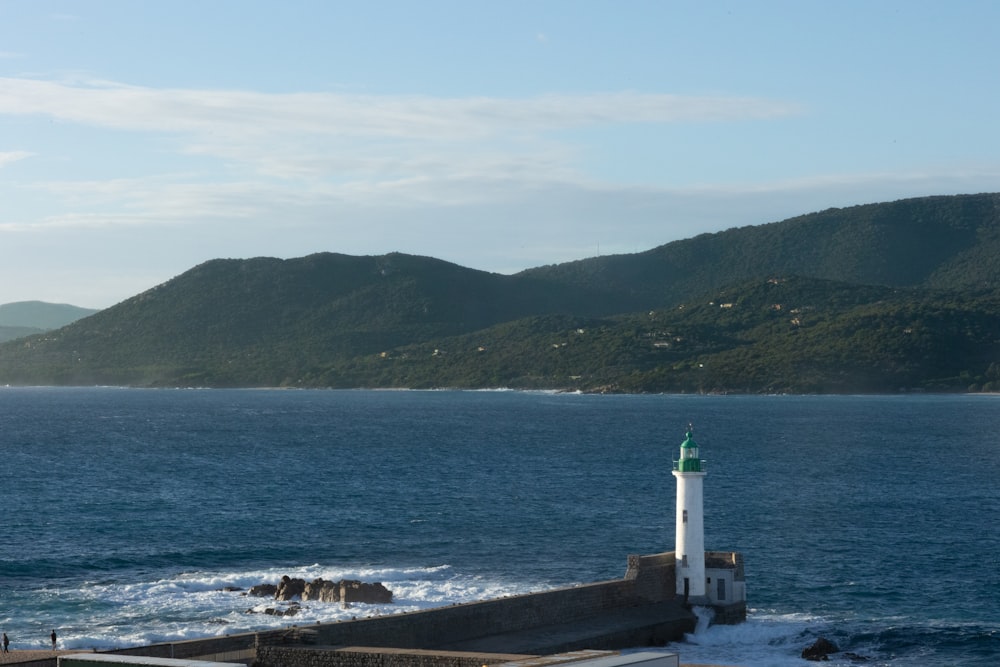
(15,656)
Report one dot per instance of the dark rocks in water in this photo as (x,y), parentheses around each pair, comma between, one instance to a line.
(320,590)
(819,650)
(263,590)
(358,591)
(230,589)
(290,610)
(289,588)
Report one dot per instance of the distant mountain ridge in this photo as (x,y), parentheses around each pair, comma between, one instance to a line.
(23,318)
(946,242)
(400,320)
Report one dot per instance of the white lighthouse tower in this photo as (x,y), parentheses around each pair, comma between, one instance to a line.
(689,543)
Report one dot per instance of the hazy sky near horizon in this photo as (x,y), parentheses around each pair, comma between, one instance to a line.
(139,139)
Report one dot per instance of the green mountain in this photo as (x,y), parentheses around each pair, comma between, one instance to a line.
(882,297)
(937,242)
(780,335)
(24,318)
(268,322)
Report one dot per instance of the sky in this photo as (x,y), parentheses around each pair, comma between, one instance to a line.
(139,139)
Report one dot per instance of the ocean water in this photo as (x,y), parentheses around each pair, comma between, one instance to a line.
(872,521)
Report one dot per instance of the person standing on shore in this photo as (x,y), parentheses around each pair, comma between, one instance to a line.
(6,643)
(53,638)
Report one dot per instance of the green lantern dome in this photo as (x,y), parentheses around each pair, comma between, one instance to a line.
(689,461)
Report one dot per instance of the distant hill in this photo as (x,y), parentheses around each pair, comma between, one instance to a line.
(12,333)
(779,335)
(937,242)
(23,318)
(880,297)
(267,321)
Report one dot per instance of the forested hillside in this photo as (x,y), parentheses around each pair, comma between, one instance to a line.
(781,335)
(879,298)
(938,242)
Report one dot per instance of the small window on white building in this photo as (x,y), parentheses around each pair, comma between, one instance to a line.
(722,589)
(684,560)
(684,516)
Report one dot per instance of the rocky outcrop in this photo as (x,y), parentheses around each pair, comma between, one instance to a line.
(291,610)
(263,590)
(345,591)
(357,591)
(819,650)
(290,588)
(322,591)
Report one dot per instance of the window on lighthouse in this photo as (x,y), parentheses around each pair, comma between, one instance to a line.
(684,516)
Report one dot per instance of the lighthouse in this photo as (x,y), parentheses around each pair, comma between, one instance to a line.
(689,543)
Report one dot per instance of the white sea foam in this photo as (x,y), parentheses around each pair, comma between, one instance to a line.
(196,604)
(761,641)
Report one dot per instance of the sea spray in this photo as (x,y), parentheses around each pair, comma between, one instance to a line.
(705,615)
(763,640)
(114,614)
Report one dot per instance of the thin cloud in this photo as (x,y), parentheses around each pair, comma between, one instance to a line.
(10,157)
(484,198)
(248,114)
(386,139)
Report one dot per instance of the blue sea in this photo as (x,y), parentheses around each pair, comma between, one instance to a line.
(873,521)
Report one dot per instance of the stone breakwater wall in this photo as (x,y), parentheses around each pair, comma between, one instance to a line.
(648,580)
(442,626)
(372,657)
